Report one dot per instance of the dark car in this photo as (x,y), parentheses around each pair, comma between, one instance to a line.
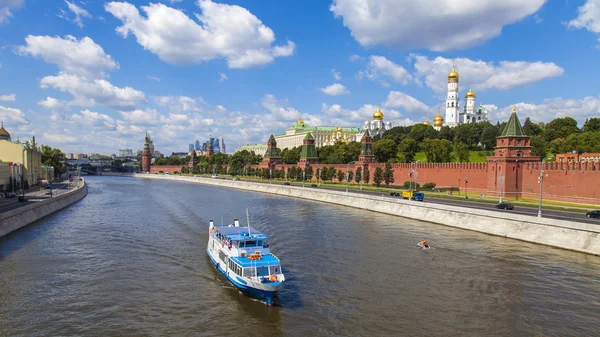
(394,194)
(287,183)
(9,195)
(313,185)
(593,214)
(504,206)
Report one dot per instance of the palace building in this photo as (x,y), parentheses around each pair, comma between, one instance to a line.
(27,156)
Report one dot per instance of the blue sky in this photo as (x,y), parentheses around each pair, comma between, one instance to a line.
(92,76)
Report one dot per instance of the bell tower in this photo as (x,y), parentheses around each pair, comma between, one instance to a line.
(452,111)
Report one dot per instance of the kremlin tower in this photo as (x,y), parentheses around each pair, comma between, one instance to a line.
(146,155)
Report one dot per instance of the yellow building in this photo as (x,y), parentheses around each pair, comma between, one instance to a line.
(28,154)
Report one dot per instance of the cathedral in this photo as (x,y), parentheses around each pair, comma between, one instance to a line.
(470,112)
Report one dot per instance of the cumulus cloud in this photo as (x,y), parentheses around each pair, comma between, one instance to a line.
(79,13)
(335,89)
(60,109)
(222,31)
(179,104)
(335,114)
(6,7)
(380,69)
(280,108)
(142,117)
(551,108)
(336,74)
(411,105)
(353,57)
(588,17)
(437,25)
(82,57)
(89,92)
(65,137)
(94,119)
(11,97)
(481,75)
(12,117)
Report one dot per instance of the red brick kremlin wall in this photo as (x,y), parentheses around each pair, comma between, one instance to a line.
(165,168)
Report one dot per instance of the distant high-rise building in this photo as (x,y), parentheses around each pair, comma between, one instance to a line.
(215,144)
(223,148)
(198,148)
(191,148)
(204,147)
(125,153)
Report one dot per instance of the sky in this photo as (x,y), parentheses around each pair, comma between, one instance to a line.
(93,76)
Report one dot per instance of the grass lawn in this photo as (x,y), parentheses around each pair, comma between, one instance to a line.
(474,157)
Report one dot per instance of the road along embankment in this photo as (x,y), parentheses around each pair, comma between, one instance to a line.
(23,216)
(581,237)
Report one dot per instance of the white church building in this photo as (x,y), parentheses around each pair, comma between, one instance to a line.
(470,113)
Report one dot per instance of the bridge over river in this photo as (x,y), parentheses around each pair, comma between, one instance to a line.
(130,259)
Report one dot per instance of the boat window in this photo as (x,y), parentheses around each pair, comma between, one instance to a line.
(259,243)
(250,244)
(249,272)
(238,270)
(262,271)
(275,269)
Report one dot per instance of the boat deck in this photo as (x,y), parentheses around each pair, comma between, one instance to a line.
(267,260)
(241,233)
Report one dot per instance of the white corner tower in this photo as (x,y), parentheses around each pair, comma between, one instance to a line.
(452,108)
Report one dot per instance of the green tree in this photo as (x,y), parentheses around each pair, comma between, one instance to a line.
(488,136)
(560,128)
(340,175)
(291,156)
(331,173)
(531,129)
(358,175)
(420,132)
(367,176)
(592,125)
(539,146)
(54,157)
(308,173)
(384,149)
(397,133)
(388,174)
(437,150)
(323,173)
(446,133)
(378,176)
(461,152)
(407,149)
(350,175)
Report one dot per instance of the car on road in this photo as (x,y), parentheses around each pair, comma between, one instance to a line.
(504,206)
(394,194)
(236,178)
(23,199)
(9,195)
(287,183)
(48,191)
(313,185)
(215,176)
(593,214)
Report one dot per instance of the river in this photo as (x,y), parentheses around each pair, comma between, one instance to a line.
(130,260)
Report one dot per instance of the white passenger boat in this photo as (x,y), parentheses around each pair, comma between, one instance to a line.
(242,255)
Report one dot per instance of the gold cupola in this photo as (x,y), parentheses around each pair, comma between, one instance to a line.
(339,129)
(470,94)
(378,115)
(453,76)
(426,122)
(438,120)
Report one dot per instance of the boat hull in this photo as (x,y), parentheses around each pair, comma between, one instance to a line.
(266,295)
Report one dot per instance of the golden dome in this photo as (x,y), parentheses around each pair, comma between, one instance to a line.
(378,115)
(3,132)
(339,129)
(438,120)
(453,74)
(470,93)
(426,122)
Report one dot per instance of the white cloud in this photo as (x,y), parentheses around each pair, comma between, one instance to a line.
(65,137)
(588,17)
(11,97)
(95,120)
(88,93)
(279,108)
(537,18)
(222,77)
(79,12)
(12,116)
(6,7)
(335,114)
(223,31)
(336,74)
(552,108)
(410,104)
(353,57)
(154,78)
(437,25)
(380,68)
(335,89)
(481,75)
(143,117)
(60,109)
(82,57)
(178,104)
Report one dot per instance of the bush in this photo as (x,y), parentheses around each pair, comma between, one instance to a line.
(415,186)
(175,172)
(161,172)
(429,186)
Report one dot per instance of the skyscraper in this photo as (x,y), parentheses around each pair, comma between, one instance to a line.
(223,148)
(191,148)
(215,144)
(198,148)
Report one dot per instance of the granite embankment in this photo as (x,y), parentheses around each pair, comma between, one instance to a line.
(23,216)
(579,237)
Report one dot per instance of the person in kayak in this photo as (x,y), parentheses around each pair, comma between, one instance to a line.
(424,243)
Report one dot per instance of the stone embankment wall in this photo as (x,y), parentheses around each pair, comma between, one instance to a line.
(579,237)
(23,216)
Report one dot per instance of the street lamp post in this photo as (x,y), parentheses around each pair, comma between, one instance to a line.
(541,182)
(319,177)
(501,183)
(270,174)
(303,176)
(466,186)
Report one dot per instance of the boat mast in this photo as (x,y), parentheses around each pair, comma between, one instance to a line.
(248,221)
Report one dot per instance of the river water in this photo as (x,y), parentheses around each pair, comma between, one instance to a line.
(130,260)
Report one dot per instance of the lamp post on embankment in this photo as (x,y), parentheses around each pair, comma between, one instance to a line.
(347,180)
(541,182)
(466,185)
